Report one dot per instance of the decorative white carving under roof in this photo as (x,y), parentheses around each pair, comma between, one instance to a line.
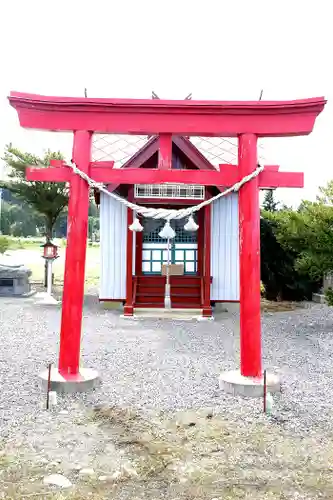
(178,191)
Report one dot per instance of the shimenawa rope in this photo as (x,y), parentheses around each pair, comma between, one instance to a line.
(164,213)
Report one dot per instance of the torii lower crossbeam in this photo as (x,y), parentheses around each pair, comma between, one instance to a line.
(270,178)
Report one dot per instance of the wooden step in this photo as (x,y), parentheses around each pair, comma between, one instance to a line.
(157,290)
(185,285)
(151,283)
(184,295)
(185,280)
(182,305)
(162,313)
(185,300)
(149,305)
(149,298)
(151,279)
(150,294)
(180,290)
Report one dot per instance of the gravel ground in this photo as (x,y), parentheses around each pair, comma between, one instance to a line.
(169,364)
(163,365)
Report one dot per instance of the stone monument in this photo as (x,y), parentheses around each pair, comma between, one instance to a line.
(327,283)
(14,279)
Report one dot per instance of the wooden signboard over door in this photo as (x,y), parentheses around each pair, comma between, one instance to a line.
(174,269)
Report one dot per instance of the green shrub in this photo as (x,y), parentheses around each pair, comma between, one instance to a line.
(4,244)
(279,273)
(329,296)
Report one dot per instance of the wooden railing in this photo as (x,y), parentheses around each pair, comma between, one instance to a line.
(203,288)
(202,291)
(135,286)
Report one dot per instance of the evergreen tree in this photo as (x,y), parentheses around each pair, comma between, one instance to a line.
(269,204)
(48,199)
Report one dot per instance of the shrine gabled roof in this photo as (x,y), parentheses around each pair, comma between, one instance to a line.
(121,148)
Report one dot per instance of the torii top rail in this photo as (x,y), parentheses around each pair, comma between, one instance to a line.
(143,116)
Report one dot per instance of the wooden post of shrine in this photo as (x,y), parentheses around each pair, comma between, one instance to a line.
(207,308)
(128,307)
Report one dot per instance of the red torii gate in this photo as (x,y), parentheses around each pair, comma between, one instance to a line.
(246,120)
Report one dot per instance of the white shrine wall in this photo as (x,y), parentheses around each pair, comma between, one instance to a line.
(113,249)
(225,249)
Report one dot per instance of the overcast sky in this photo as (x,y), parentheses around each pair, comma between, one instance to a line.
(214,49)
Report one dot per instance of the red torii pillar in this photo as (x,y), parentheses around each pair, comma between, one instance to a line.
(74,277)
(249,259)
(247,120)
(69,376)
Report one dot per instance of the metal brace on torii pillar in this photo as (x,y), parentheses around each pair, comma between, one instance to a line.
(247,120)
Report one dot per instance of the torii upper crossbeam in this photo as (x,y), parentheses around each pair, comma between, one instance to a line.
(246,120)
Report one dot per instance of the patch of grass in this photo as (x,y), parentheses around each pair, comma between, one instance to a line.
(212,458)
(19,479)
(31,256)
(4,244)
(191,457)
(22,243)
(270,306)
(22,480)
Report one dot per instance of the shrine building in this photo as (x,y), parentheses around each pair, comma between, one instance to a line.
(209,255)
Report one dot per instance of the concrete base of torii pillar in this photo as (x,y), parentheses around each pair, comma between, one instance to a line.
(86,380)
(234,383)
